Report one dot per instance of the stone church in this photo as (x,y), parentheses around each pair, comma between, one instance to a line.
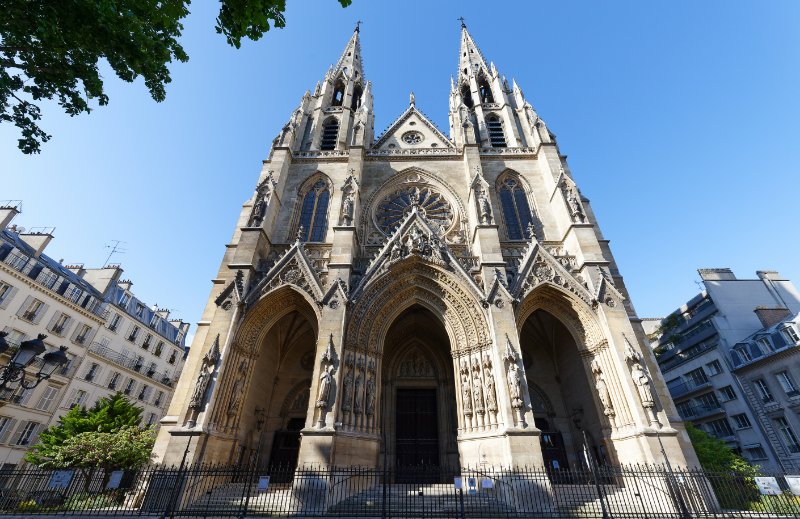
(419,299)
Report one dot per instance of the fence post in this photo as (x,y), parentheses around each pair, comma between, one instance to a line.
(461,502)
(170,511)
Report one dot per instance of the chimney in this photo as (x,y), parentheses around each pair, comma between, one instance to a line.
(162,312)
(8,210)
(125,284)
(770,316)
(772,275)
(77,269)
(38,240)
(722,274)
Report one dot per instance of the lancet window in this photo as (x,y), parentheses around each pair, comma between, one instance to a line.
(338,94)
(485,91)
(516,210)
(466,95)
(330,133)
(356,102)
(313,220)
(497,137)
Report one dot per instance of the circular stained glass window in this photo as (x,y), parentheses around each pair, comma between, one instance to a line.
(393,209)
(412,137)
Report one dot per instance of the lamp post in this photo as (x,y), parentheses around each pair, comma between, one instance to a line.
(27,353)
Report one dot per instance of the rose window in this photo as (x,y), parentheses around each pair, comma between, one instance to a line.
(412,137)
(431,205)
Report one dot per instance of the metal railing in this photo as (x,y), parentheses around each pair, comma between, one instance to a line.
(132,363)
(239,491)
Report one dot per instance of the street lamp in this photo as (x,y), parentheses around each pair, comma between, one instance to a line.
(25,356)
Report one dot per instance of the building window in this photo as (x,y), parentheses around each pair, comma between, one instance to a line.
(788,435)
(159,349)
(743,352)
(33,310)
(74,294)
(159,397)
(139,309)
(151,370)
(123,300)
(314,212)
(134,333)
(154,321)
(26,434)
(46,400)
(147,340)
(78,399)
(112,383)
(756,452)
(741,421)
(92,373)
(330,134)
(708,401)
(720,428)
(83,332)
(787,384)
(516,210)
(129,387)
(727,393)
(697,377)
(143,392)
(496,136)
(114,324)
(17,260)
(139,363)
(172,357)
(714,368)
(763,390)
(21,395)
(685,410)
(151,419)
(765,344)
(789,333)
(5,292)
(6,425)
(60,324)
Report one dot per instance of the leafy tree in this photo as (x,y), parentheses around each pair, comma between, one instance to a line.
(51,50)
(108,415)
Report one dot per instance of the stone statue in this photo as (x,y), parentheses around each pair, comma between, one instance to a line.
(514,380)
(357,391)
(237,393)
(575,209)
(602,389)
(477,392)
(484,206)
(488,377)
(263,195)
(412,99)
(642,382)
(325,384)
(200,387)
(370,410)
(348,391)
(347,208)
(466,394)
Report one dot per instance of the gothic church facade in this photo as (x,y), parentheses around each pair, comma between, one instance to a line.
(418,299)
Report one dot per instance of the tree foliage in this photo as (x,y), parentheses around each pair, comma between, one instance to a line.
(714,454)
(52,50)
(107,416)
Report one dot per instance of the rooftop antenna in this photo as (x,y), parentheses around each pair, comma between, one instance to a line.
(116,247)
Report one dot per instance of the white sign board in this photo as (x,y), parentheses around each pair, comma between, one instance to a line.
(794,484)
(60,479)
(115,479)
(263,483)
(768,486)
(458,483)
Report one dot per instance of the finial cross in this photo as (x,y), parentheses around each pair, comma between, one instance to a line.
(358,25)
(461,18)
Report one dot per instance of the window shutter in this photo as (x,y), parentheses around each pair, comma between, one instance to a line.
(53,321)
(18,433)
(24,306)
(40,313)
(25,396)
(9,296)
(6,432)
(34,437)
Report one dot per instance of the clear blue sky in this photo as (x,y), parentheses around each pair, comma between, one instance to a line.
(680,120)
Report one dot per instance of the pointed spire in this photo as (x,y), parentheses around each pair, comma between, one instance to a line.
(351,56)
(469,56)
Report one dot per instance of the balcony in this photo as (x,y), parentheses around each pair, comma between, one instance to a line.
(698,412)
(688,387)
(130,363)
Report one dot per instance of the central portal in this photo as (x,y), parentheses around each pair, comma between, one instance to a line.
(417,441)
(418,396)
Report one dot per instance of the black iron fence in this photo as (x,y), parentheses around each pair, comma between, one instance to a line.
(214,491)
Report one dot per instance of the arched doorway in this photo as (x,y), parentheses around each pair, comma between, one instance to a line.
(418,395)
(561,395)
(269,378)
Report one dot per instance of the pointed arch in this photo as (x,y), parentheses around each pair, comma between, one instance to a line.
(485,90)
(466,94)
(497,137)
(338,92)
(330,134)
(514,197)
(358,91)
(313,207)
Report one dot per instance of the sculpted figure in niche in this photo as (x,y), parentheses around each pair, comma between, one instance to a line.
(484,206)
(238,391)
(357,391)
(602,389)
(514,380)
(642,382)
(488,377)
(466,394)
(575,209)
(200,387)
(348,390)
(325,383)
(477,391)
(263,195)
(347,208)
(370,410)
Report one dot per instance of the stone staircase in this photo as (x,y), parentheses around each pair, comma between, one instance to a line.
(421,500)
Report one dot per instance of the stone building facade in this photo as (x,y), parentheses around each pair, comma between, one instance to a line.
(418,299)
(114,341)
